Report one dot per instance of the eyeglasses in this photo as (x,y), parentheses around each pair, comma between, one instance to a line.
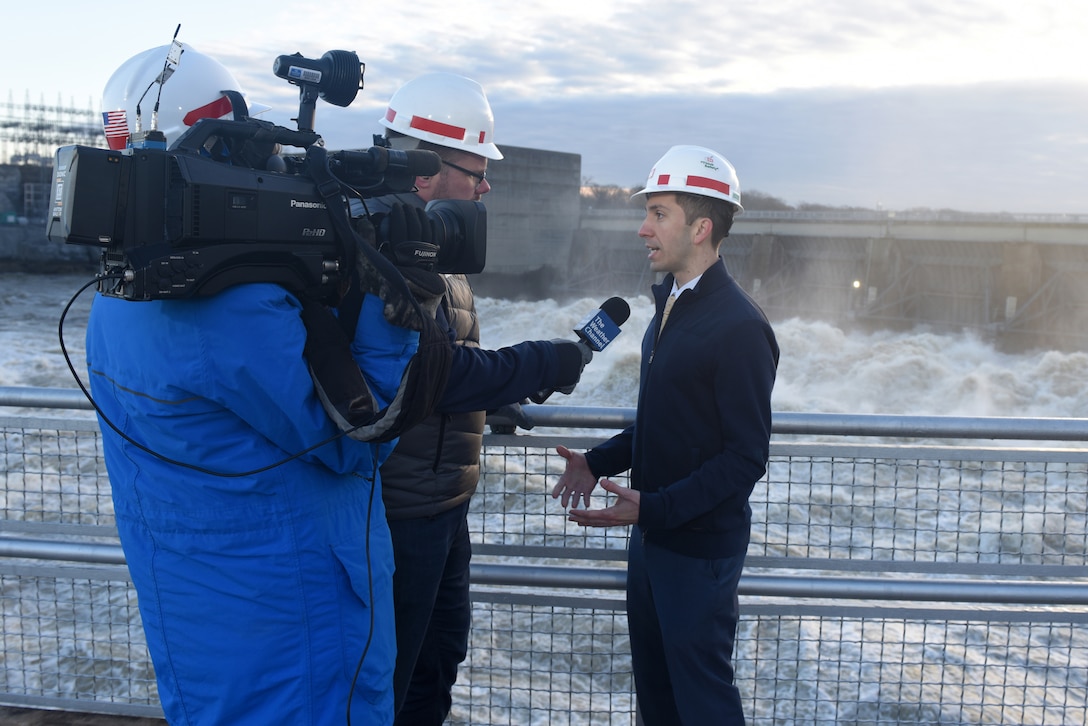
(479,177)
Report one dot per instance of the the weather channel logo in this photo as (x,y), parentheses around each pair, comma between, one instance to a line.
(598,330)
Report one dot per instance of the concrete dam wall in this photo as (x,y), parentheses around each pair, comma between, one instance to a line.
(1020,280)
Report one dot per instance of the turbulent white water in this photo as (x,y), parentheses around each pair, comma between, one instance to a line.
(823,368)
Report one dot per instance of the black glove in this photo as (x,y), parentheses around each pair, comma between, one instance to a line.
(573,357)
(405,234)
(408,238)
(505,419)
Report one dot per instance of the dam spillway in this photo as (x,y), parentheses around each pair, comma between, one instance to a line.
(1017,279)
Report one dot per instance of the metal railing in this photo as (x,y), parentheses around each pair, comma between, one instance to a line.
(901,570)
(868,215)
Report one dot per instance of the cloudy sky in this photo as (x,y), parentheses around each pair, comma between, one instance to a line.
(975,105)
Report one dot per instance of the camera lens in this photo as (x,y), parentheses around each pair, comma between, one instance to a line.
(459,228)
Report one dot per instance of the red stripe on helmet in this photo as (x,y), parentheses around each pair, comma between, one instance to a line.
(703,182)
(437,127)
(390,114)
(219,107)
(662,179)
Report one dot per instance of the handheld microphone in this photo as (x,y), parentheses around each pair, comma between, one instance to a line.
(595,332)
(601,327)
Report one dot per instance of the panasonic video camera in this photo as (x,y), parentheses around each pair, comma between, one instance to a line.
(221,206)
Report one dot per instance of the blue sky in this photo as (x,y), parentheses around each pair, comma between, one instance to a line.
(978,105)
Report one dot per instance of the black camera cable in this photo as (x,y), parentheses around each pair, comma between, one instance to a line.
(369,587)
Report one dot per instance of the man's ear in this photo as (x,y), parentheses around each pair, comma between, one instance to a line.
(703,229)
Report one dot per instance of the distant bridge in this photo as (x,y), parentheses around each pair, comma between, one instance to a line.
(920,225)
(1019,279)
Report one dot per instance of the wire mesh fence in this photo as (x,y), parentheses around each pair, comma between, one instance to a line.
(891,583)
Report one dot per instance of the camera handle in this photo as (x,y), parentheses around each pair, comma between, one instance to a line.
(197,137)
(307,107)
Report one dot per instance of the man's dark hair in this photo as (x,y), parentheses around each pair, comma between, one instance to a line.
(718,211)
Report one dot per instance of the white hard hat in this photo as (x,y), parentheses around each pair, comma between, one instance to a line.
(695,170)
(187,86)
(444,109)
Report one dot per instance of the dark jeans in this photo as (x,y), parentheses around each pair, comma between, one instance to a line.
(682,613)
(433,613)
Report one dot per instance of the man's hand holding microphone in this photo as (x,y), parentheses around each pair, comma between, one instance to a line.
(594,332)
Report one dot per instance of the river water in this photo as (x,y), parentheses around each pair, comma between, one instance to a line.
(823,368)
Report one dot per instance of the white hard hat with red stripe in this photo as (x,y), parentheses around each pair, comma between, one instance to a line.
(444,109)
(695,170)
(186,85)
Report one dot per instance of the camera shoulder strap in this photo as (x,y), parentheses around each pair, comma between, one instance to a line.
(340,384)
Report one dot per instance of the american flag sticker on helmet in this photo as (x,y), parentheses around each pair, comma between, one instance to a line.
(115,124)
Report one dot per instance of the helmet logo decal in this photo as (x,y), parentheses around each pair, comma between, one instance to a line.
(702,182)
(219,107)
(437,127)
(115,124)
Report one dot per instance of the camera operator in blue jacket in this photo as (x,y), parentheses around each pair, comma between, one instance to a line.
(254,531)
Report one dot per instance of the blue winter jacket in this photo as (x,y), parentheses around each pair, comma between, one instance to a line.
(702,428)
(262,583)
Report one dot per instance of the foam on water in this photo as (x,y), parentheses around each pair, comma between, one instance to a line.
(826,369)
(30,309)
(823,368)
